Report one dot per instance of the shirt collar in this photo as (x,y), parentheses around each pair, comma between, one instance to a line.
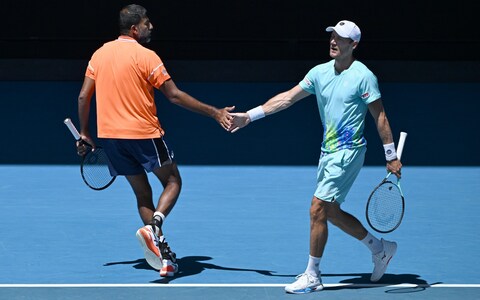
(126,38)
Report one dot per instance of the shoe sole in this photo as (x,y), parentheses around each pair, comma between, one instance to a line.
(167,274)
(151,253)
(307,290)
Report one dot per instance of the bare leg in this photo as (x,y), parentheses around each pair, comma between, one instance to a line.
(320,213)
(318,227)
(171,181)
(346,222)
(143,192)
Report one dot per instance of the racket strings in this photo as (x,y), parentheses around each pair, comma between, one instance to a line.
(386,207)
(95,169)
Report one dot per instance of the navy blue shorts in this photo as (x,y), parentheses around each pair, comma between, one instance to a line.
(133,157)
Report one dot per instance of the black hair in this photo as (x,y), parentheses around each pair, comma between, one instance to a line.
(130,15)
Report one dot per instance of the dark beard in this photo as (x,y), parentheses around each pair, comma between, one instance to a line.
(145,39)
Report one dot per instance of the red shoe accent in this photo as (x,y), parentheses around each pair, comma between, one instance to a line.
(149,242)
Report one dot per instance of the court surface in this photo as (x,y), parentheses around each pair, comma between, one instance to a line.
(240,232)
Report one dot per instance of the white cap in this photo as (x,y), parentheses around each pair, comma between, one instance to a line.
(346,29)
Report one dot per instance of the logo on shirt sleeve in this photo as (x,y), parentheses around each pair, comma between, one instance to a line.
(365,95)
(307,82)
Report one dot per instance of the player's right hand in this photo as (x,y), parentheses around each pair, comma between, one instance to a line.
(240,120)
(82,147)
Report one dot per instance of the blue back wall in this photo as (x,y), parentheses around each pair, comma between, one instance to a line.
(441,119)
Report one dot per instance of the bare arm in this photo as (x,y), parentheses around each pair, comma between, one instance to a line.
(284,100)
(84,100)
(273,105)
(180,98)
(383,127)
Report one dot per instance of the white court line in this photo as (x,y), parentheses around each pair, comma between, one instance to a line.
(182,285)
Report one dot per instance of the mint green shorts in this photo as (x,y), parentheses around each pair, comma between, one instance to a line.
(337,172)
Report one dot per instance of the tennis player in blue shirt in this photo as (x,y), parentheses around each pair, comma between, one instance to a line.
(345,90)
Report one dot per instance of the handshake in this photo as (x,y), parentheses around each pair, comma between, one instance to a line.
(232,122)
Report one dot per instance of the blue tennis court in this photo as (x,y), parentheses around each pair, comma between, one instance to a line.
(240,232)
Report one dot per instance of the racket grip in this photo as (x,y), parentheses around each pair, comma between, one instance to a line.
(72,129)
(401,143)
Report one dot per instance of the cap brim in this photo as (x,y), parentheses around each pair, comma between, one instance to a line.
(342,34)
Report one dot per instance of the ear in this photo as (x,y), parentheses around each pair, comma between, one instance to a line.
(355,44)
(133,29)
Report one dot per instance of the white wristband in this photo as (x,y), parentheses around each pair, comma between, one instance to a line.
(256,113)
(390,153)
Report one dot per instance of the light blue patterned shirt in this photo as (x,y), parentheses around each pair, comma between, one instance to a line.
(342,102)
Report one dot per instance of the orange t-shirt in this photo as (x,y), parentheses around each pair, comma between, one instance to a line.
(125,75)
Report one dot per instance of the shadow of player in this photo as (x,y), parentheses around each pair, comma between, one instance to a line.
(193,265)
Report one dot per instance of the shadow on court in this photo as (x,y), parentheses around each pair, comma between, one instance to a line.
(390,279)
(192,265)
(362,281)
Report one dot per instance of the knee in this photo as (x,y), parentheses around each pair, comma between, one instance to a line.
(169,176)
(334,214)
(318,211)
(176,179)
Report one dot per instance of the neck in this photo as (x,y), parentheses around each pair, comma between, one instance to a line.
(343,64)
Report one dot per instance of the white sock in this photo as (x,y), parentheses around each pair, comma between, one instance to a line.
(157,221)
(313,267)
(162,216)
(374,244)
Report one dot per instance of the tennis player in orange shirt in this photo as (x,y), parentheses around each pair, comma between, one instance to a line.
(123,75)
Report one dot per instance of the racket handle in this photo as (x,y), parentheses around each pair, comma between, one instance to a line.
(72,128)
(401,143)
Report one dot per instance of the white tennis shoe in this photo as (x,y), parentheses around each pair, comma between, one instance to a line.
(149,242)
(381,259)
(305,283)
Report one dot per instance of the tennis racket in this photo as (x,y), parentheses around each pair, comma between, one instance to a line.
(94,165)
(386,204)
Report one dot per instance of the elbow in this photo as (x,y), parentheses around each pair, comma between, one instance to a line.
(82,99)
(175,97)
